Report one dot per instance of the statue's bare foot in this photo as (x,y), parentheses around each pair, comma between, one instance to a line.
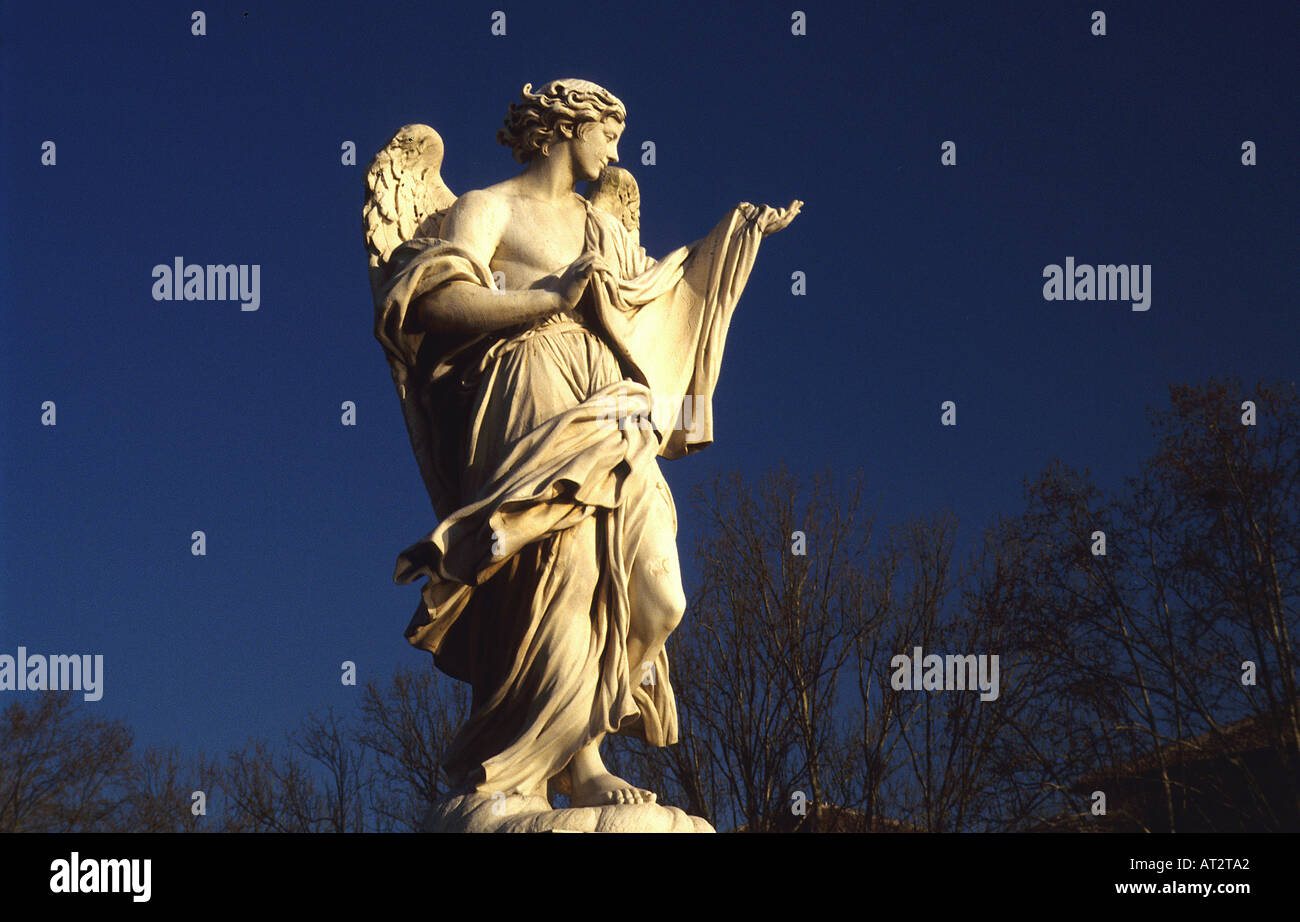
(603,789)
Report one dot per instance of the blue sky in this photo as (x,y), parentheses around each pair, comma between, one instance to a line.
(924,284)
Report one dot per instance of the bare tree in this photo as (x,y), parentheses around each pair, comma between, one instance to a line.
(160,789)
(65,770)
(758,660)
(62,770)
(406,727)
(315,783)
(1141,649)
(264,791)
(928,759)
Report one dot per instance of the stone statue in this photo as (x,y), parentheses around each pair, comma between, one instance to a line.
(544,362)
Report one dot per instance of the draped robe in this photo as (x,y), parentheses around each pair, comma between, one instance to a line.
(534,445)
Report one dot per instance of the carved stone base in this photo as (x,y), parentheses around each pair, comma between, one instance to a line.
(481,813)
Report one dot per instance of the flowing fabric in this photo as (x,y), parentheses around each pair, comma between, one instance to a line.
(538,445)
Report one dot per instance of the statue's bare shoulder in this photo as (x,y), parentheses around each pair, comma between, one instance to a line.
(513,232)
(477,222)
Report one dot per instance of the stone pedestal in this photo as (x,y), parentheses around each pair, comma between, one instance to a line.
(483,813)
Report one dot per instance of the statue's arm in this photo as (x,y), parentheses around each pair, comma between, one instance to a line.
(463,307)
(476,223)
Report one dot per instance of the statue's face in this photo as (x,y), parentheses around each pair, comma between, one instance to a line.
(594,145)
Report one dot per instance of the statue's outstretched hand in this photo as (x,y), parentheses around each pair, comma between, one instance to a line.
(769,219)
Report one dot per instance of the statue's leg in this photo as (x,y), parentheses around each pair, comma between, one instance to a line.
(656,605)
(590,783)
(535,669)
(655,595)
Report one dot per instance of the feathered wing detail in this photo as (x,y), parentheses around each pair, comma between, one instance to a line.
(405,195)
(617,192)
(405,198)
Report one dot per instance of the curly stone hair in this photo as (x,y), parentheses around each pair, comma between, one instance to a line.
(554,113)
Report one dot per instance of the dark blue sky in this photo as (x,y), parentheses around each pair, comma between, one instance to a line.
(924,283)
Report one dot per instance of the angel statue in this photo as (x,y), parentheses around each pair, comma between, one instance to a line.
(544,362)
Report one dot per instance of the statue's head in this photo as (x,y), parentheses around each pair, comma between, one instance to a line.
(555,113)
